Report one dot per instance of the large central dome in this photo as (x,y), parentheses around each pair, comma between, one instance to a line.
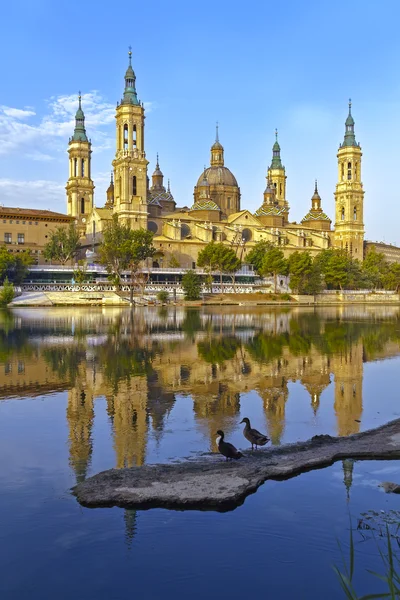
(218,176)
(217,183)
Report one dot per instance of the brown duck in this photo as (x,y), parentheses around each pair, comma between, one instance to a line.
(253,436)
(228,450)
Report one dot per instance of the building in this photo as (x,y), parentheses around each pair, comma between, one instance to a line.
(216,212)
(29,229)
(390,252)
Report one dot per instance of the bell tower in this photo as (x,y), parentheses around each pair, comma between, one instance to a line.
(277,176)
(80,186)
(130,164)
(349,195)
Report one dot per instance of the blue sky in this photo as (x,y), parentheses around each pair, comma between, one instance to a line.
(252,66)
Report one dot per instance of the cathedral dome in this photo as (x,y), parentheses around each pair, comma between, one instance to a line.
(217,176)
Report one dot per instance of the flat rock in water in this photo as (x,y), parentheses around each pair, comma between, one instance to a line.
(210,483)
(390,488)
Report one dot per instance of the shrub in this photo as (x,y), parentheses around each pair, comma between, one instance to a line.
(7,293)
(191,284)
(163,296)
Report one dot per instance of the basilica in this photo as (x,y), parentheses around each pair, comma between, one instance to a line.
(180,233)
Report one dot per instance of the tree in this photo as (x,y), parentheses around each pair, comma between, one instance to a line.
(218,257)
(63,244)
(21,266)
(139,248)
(391,279)
(7,261)
(336,270)
(374,268)
(300,267)
(115,248)
(163,296)
(191,284)
(174,262)
(274,263)
(257,254)
(7,293)
(313,285)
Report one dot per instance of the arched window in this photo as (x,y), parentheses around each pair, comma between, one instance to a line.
(75,167)
(355,172)
(342,214)
(280,189)
(228,203)
(347,246)
(83,167)
(349,170)
(355,213)
(351,247)
(125,137)
(82,206)
(134,185)
(134,138)
(94,228)
(342,171)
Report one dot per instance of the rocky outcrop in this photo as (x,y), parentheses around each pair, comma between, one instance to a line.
(213,484)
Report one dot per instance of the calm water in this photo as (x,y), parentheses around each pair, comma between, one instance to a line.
(85,390)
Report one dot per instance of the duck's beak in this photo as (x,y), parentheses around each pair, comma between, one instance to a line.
(242,421)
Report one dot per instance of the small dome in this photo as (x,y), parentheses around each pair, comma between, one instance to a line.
(315,216)
(205,205)
(217,176)
(217,146)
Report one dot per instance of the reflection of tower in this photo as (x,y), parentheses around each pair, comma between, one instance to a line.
(274,395)
(348,466)
(217,410)
(348,370)
(159,405)
(315,379)
(130,518)
(80,414)
(129,419)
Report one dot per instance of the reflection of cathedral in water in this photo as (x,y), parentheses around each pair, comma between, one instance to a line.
(140,363)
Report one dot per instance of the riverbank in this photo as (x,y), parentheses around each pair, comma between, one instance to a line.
(111,298)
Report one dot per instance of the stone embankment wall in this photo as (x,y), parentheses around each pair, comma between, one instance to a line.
(349,297)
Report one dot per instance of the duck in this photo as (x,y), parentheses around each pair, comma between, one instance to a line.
(228,450)
(253,436)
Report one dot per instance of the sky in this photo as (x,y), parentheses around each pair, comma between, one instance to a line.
(252,67)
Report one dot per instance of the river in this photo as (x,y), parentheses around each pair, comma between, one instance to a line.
(84,390)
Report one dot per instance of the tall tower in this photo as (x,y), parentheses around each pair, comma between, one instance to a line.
(80,186)
(277,176)
(130,164)
(349,195)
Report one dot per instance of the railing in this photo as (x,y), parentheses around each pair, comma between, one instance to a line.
(173,288)
(244,271)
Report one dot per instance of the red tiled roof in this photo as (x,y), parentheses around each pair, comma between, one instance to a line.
(32,212)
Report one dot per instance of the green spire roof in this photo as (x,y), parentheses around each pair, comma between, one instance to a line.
(276,154)
(79,131)
(349,135)
(130,96)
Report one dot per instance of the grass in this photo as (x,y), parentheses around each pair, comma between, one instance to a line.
(390,577)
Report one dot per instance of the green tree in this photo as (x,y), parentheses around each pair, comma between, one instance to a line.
(163,296)
(313,285)
(139,248)
(7,262)
(191,284)
(374,268)
(174,262)
(21,266)
(256,256)
(391,278)
(274,263)
(80,274)
(218,257)
(114,250)
(300,267)
(7,293)
(339,270)
(63,244)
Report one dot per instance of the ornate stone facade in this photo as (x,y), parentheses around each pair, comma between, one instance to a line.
(216,213)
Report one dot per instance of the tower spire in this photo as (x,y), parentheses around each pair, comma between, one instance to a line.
(276,154)
(349,135)
(79,131)
(130,95)
(216,133)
